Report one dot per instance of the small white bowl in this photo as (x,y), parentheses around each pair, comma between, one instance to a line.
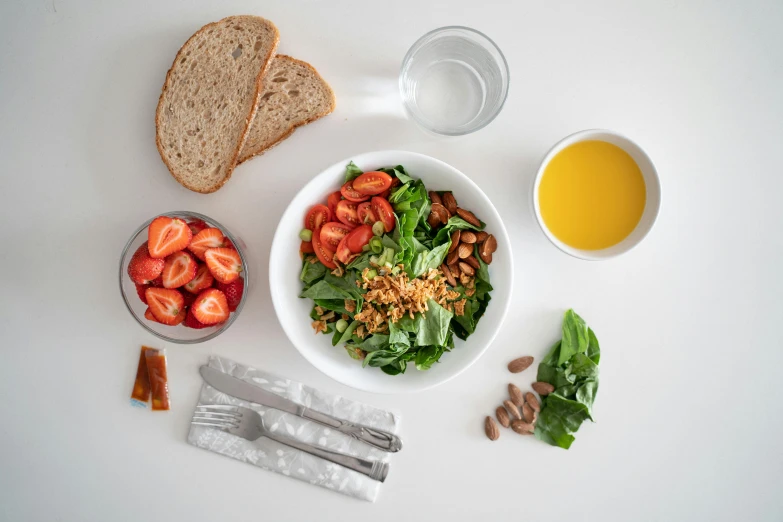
(285,267)
(651,208)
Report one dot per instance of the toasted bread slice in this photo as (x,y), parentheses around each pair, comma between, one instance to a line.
(294,95)
(210,98)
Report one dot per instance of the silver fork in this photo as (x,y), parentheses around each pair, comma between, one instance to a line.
(248,424)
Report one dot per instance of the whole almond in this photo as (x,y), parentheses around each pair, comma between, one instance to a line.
(472,261)
(469,237)
(491,429)
(449,276)
(454,240)
(521,364)
(522,427)
(434,221)
(434,197)
(449,202)
(489,245)
(465,250)
(528,414)
(486,257)
(453,257)
(543,388)
(467,269)
(440,211)
(481,236)
(502,416)
(468,216)
(516,395)
(455,271)
(512,409)
(533,402)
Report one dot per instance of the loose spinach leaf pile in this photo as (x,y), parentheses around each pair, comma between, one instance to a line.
(572,368)
(425,338)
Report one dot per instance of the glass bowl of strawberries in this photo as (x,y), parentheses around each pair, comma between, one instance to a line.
(183,277)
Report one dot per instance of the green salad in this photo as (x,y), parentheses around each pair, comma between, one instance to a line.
(389,277)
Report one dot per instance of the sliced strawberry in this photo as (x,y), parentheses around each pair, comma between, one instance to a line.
(140,289)
(211,307)
(168,235)
(149,316)
(166,305)
(202,281)
(142,268)
(180,268)
(207,238)
(196,226)
(192,322)
(233,292)
(224,263)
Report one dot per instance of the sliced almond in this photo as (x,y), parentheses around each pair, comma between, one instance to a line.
(522,427)
(528,414)
(517,397)
(468,216)
(449,276)
(469,237)
(472,261)
(533,402)
(520,364)
(466,269)
(481,236)
(454,240)
(453,257)
(465,250)
(449,202)
(491,429)
(543,388)
(502,416)
(434,197)
(512,409)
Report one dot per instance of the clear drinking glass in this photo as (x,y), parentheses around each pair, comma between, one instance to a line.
(454,80)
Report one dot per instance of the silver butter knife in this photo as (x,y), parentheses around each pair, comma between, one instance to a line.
(241,390)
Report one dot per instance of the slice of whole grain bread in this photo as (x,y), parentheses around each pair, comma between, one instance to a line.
(294,95)
(210,97)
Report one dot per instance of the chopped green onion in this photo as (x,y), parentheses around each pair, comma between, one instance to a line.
(366,248)
(306,235)
(375,260)
(378,228)
(372,274)
(395,270)
(341,325)
(388,264)
(376,245)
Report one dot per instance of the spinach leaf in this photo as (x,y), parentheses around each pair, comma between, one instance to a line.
(326,290)
(346,335)
(426,260)
(311,272)
(582,366)
(338,305)
(553,356)
(397,337)
(375,342)
(427,356)
(467,321)
(454,223)
(559,419)
(574,336)
(433,326)
(586,395)
(398,171)
(593,349)
(381,358)
(352,171)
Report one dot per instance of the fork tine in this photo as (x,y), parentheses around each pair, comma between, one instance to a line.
(216,414)
(220,420)
(219,407)
(211,424)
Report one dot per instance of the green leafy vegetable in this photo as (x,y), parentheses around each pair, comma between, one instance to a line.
(433,327)
(352,171)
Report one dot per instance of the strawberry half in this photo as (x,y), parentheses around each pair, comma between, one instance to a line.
(233,292)
(166,305)
(142,268)
(211,307)
(140,289)
(168,235)
(206,239)
(149,316)
(196,226)
(180,268)
(224,263)
(192,322)
(202,281)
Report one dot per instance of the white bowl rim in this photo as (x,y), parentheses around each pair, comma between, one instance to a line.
(592,255)
(366,157)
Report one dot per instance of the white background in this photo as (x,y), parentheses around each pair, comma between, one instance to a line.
(689,411)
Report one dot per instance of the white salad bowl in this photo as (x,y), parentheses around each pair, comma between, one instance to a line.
(294,313)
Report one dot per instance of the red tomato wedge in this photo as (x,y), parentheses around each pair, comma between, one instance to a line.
(332,234)
(332,201)
(167,235)
(224,263)
(306,248)
(202,281)
(180,268)
(325,255)
(317,216)
(366,214)
(384,212)
(347,213)
(206,239)
(344,253)
(211,307)
(358,237)
(166,305)
(372,183)
(351,194)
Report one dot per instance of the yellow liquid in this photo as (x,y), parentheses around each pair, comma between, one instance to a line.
(592,195)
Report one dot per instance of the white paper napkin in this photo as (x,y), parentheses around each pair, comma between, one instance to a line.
(273,456)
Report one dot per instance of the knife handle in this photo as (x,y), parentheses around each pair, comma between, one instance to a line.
(374,469)
(380,439)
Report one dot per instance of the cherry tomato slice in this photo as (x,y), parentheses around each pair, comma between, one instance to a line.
(358,237)
(351,194)
(347,212)
(316,217)
(344,253)
(366,214)
(333,233)
(372,183)
(383,210)
(306,248)
(325,255)
(332,201)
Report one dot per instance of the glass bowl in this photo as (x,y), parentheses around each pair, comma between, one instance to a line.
(176,334)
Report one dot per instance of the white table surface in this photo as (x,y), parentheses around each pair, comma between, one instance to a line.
(689,412)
